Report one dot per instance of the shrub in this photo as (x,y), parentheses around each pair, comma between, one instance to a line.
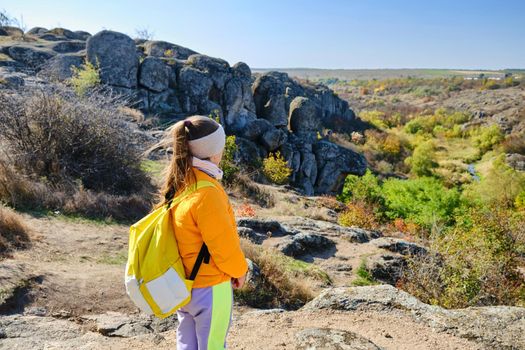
(486,138)
(85,78)
(276,169)
(474,263)
(501,185)
(283,279)
(519,203)
(364,188)
(14,234)
(514,143)
(359,214)
(57,143)
(422,162)
(423,201)
(228,165)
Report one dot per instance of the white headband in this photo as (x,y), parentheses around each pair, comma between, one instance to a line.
(208,145)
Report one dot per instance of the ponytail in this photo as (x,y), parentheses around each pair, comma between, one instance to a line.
(179,173)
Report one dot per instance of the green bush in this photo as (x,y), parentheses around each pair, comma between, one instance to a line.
(475,263)
(85,78)
(364,188)
(228,165)
(276,169)
(424,201)
(423,159)
(500,186)
(486,138)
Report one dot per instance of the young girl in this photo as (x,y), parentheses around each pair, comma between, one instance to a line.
(204,216)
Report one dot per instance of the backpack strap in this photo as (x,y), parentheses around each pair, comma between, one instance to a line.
(204,256)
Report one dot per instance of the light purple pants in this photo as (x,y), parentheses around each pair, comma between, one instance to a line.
(204,322)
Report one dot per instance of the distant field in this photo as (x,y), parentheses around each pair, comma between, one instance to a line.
(366,74)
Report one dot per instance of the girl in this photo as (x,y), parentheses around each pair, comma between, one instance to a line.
(204,216)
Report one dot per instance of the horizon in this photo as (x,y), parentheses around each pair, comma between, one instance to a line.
(339,35)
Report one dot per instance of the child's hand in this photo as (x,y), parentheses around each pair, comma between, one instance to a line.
(238,283)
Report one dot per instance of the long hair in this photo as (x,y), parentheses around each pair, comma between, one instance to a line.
(179,174)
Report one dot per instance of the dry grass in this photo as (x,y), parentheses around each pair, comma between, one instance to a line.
(284,280)
(14,234)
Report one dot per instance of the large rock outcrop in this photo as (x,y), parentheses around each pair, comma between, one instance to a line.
(268,113)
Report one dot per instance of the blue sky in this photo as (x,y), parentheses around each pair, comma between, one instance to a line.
(468,34)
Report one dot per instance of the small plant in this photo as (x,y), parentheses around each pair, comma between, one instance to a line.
(364,277)
(228,165)
(422,162)
(85,78)
(358,214)
(245,210)
(276,169)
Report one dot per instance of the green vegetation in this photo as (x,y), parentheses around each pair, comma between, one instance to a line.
(276,169)
(364,277)
(85,78)
(228,165)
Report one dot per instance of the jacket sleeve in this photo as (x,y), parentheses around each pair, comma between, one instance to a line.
(219,232)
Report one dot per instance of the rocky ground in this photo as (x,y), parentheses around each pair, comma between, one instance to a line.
(67,291)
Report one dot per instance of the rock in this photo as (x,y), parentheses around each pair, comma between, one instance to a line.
(400,246)
(387,268)
(165,102)
(304,117)
(273,138)
(37,30)
(242,71)
(359,235)
(116,56)
(12,31)
(248,152)
(154,74)
(268,94)
(59,68)
(263,226)
(165,49)
(305,243)
(65,33)
(195,84)
(217,69)
(3,32)
(332,339)
(334,163)
(69,46)
(497,327)
(50,37)
(254,279)
(31,56)
(516,161)
(255,129)
(120,325)
(81,35)
(11,80)
(255,237)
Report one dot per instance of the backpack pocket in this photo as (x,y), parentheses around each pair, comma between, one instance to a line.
(168,290)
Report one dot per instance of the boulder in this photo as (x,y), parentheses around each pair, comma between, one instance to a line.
(387,268)
(305,243)
(516,161)
(165,102)
(217,69)
(268,94)
(400,246)
(332,339)
(3,32)
(59,68)
(194,83)
(69,46)
(30,56)
(165,49)
(116,57)
(304,117)
(263,226)
(273,138)
(334,163)
(238,122)
(12,31)
(37,30)
(154,74)
(64,33)
(496,327)
(11,80)
(81,35)
(248,152)
(250,234)
(359,235)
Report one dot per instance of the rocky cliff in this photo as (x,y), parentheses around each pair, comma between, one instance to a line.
(269,112)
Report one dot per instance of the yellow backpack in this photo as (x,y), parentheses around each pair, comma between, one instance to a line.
(155,278)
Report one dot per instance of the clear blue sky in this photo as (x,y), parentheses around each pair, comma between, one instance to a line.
(305,33)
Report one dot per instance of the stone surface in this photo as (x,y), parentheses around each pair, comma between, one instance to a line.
(30,56)
(116,57)
(165,49)
(305,243)
(60,67)
(332,339)
(154,74)
(304,116)
(497,327)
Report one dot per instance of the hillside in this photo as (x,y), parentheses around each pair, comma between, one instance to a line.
(350,246)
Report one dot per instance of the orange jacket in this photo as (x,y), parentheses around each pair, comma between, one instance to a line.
(206,215)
